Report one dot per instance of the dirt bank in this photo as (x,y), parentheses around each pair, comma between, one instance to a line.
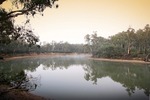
(8,57)
(61,54)
(120,60)
(14,94)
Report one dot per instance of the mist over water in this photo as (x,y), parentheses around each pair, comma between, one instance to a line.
(76,77)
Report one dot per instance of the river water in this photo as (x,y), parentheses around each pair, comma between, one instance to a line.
(77,77)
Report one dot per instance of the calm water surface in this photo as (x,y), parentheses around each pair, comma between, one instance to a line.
(76,77)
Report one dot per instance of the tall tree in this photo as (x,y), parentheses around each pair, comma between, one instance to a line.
(146,38)
(130,39)
(27,7)
(6,28)
(88,43)
(10,32)
(147,42)
(119,39)
(140,41)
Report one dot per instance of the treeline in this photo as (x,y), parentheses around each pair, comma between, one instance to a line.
(62,47)
(126,44)
(16,47)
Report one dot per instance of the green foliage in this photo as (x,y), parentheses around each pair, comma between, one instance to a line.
(27,7)
(6,78)
(6,28)
(18,80)
(131,76)
(10,32)
(128,43)
(17,47)
(62,47)
(95,43)
(109,52)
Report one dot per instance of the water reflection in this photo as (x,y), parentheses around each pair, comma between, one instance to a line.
(83,76)
(131,76)
(19,81)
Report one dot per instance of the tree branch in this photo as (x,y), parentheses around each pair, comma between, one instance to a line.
(16,13)
(1,1)
(30,9)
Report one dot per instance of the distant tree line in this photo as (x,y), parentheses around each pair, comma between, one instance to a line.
(125,44)
(20,38)
(62,47)
(16,39)
(17,47)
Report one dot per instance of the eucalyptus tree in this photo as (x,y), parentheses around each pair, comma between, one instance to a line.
(146,31)
(88,43)
(26,7)
(125,40)
(6,28)
(119,39)
(96,43)
(130,39)
(8,31)
(140,41)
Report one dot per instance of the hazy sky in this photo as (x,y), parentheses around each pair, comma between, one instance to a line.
(76,18)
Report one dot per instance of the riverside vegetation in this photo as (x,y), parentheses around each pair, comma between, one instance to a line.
(126,44)
(16,39)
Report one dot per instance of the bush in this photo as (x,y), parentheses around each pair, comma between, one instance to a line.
(109,52)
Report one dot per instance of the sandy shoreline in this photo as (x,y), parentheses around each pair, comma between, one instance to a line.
(29,96)
(34,55)
(63,54)
(120,60)
(16,94)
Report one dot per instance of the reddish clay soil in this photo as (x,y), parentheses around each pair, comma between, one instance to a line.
(121,60)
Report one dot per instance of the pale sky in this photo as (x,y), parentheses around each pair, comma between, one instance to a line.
(73,19)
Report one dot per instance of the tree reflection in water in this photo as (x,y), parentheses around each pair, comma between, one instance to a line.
(131,76)
(20,81)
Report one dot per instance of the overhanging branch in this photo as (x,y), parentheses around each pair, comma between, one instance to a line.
(1,1)
(30,8)
(16,13)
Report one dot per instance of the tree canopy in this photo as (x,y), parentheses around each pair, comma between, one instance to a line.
(129,43)
(8,31)
(27,7)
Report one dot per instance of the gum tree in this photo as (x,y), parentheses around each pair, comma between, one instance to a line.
(10,32)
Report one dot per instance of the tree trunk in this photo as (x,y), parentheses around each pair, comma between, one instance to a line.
(129,49)
(145,51)
(147,58)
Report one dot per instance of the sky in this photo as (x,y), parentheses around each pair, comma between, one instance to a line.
(73,19)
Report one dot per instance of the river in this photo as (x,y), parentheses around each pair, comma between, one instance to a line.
(77,77)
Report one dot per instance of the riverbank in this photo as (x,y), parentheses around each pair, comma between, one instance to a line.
(120,60)
(15,94)
(12,57)
(32,55)
(19,95)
